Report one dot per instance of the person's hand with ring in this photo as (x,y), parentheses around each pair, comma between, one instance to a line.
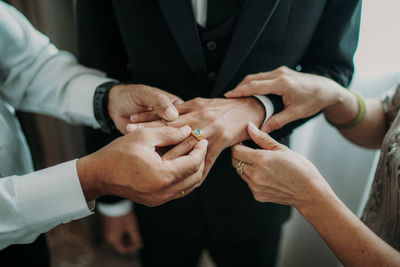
(137,172)
(221,121)
(275,173)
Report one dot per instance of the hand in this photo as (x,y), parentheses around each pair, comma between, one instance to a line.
(222,121)
(278,174)
(131,168)
(125,100)
(122,233)
(303,94)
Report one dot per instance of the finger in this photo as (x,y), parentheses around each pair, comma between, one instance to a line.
(189,164)
(136,236)
(144,117)
(262,139)
(158,123)
(158,101)
(269,75)
(188,185)
(244,153)
(211,157)
(247,168)
(180,149)
(280,119)
(256,87)
(166,136)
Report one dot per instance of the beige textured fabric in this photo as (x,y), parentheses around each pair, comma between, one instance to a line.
(381,213)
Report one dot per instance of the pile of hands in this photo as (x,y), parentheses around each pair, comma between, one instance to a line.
(158,159)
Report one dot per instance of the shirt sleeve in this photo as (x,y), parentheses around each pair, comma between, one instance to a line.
(116,209)
(37,77)
(34,203)
(268,106)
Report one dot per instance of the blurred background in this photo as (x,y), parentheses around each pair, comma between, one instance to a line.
(347,168)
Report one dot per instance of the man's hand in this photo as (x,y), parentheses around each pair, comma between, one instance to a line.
(126,100)
(122,233)
(303,94)
(131,168)
(222,121)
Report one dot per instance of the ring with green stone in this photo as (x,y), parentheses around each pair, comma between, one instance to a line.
(198,134)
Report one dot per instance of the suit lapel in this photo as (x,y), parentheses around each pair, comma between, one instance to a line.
(182,25)
(253,18)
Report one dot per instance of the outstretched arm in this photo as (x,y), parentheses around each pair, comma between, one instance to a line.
(280,175)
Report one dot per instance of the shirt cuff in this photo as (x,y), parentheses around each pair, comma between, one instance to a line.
(82,89)
(116,209)
(268,106)
(51,196)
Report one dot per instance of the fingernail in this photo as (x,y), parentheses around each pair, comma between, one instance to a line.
(131,127)
(171,112)
(133,117)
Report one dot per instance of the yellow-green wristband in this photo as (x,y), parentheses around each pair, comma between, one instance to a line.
(360,116)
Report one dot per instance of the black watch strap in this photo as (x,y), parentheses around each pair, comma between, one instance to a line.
(100,106)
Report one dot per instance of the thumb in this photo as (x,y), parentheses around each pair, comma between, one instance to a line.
(262,139)
(279,120)
(159,102)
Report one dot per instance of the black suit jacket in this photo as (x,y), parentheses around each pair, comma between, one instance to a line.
(155,42)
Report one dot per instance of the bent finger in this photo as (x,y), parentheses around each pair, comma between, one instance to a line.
(165,136)
(280,119)
(244,153)
(180,149)
(256,88)
(159,101)
(189,164)
(247,168)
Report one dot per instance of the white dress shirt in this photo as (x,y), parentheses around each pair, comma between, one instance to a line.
(36,77)
(123,207)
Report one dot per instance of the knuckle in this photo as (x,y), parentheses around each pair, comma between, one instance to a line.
(282,69)
(253,84)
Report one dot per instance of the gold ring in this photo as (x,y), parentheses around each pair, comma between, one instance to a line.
(198,134)
(239,167)
(182,193)
(164,122)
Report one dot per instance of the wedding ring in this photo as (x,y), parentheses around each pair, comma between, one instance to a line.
(164,122)
(239,167)
(198,134)
(182,193)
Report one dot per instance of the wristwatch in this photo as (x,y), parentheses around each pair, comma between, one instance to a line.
(100,106)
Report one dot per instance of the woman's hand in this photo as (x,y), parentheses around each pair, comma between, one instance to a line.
(303,94)
(222,121)
(278,174)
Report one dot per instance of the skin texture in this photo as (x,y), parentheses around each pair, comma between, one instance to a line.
(222,121)
(277,174)
(131,168)
(125,100)
(305,95)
